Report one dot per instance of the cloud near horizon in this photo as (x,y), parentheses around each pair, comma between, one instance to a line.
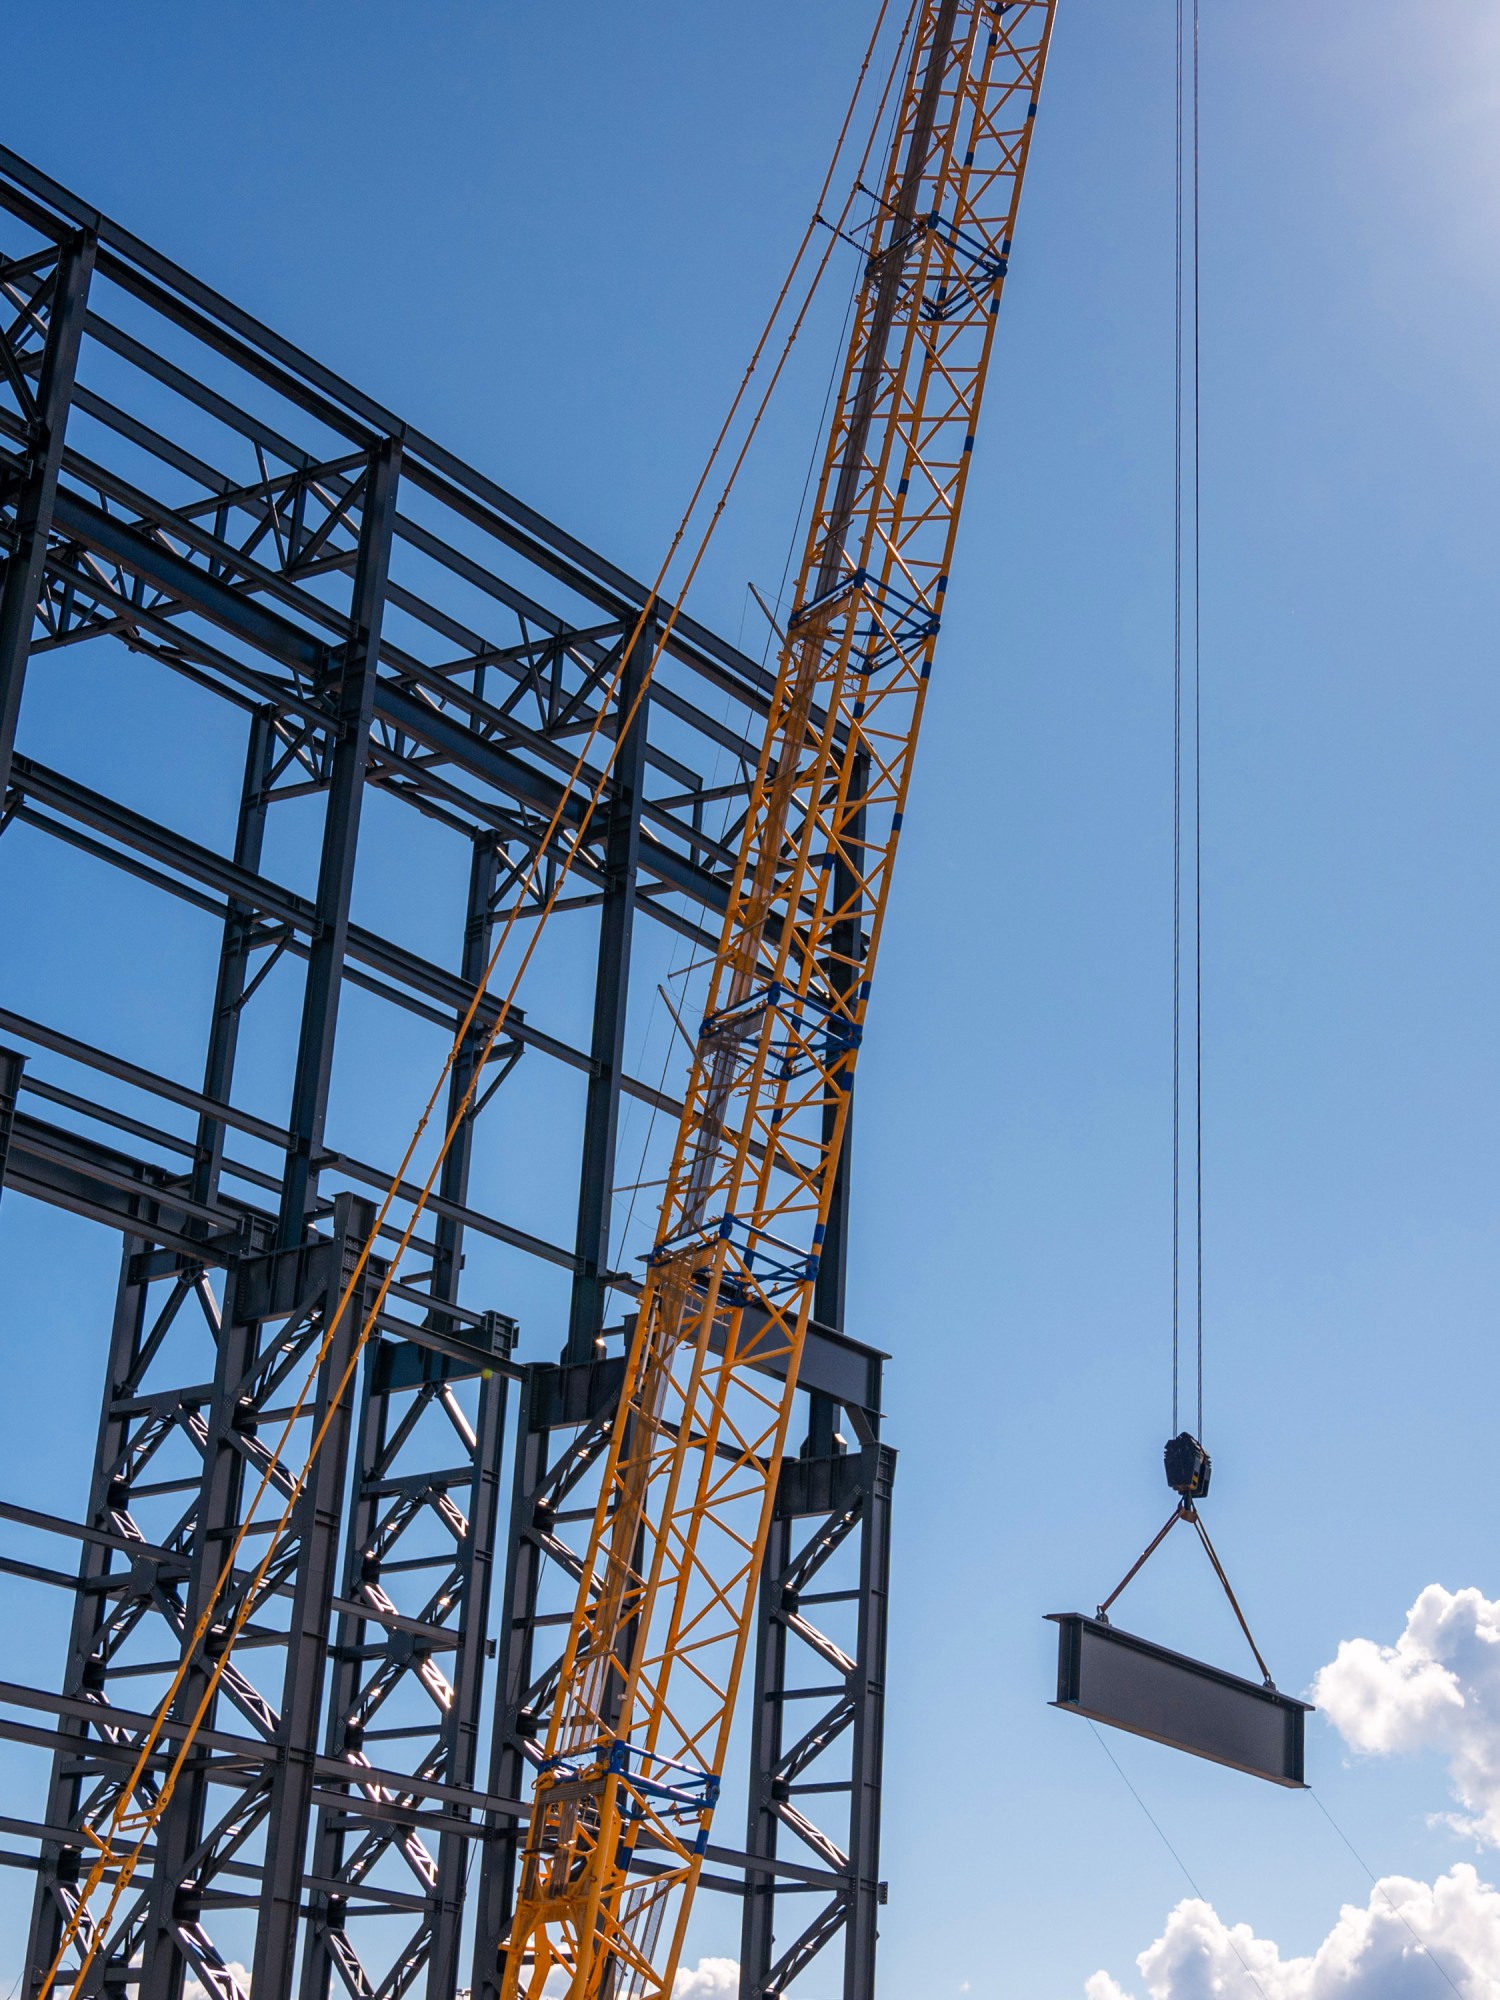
(1370,1954)
(710,1979)
(195,1989)
(1437,1688)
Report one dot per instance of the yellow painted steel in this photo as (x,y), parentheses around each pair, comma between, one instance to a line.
(666,1598)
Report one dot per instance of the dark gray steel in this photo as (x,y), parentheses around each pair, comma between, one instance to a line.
(867,1745)
(174,1942)
(622,845)
(59,302)
(353,705)
(383,1668)
(179,484)
(103,1617)
(276,1290)
(12,1067)
(818,1710)
(578,1398)
(453,1181)
(1114,1677)
(235,959)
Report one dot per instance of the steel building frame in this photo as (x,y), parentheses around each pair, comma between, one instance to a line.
(180,485)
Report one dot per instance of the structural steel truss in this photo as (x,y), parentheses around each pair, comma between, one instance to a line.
(210,510)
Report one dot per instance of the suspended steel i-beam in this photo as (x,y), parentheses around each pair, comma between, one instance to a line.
(194,512)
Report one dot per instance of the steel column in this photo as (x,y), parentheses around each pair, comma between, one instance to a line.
(12,1063)
(579,1398)
(453,1179)
(428,1662)
(354,706)
(515,1645)
(315,1527)
(326,1910)
(84,1674)
(767,1724)
(234,957)
(611,996)
(867,1729)
(465,1720)
(174,1942)
(45,424)
(830,1545)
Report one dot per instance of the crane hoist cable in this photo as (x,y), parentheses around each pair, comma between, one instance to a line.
(1187,1463)
(645,1697)
(1187,454)
(1107,1676)
(143,1797)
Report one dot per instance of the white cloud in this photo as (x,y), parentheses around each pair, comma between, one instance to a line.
(195,1990)
(1370,1954)
(1437,1688)
(710,1979)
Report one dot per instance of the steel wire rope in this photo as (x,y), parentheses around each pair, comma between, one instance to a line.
(1197,726)
(1394,1908)
(1177,749)
(1186,1871)
(122,1817)
(1187,432)
(678,971)
(794,539)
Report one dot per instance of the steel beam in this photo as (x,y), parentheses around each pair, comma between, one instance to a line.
(209,881)
(147,273)
(1133,1684)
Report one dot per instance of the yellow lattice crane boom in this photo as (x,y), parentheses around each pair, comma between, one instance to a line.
(665,1603)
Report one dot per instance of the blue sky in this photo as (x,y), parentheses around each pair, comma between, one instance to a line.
(547,236)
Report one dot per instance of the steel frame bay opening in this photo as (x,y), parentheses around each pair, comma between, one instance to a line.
(404,656)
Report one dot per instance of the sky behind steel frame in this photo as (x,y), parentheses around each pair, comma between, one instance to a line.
(1350,420)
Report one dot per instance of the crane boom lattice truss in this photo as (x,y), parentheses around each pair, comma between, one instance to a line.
(665,1602)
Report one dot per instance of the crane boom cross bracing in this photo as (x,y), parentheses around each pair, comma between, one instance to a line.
(646,1689)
